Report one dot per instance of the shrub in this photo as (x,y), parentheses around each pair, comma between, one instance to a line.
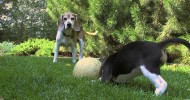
(38,47)
(5,47)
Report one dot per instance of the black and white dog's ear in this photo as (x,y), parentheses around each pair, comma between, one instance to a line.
(106,71)
(106,74)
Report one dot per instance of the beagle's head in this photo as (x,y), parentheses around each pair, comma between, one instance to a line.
(70,20)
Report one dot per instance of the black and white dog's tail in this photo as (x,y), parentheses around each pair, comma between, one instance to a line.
(166,43)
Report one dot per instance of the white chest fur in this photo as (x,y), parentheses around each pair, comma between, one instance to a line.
(67,41)
(62,40)
(126,77)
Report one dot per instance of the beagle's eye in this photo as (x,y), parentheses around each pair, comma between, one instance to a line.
(65,18)
(72,18)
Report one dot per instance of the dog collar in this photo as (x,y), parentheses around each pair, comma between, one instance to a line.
(64,34)
(78,32)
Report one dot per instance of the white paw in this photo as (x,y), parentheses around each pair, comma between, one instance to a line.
(74,60)
(54,61)
(158,92)
(80,57)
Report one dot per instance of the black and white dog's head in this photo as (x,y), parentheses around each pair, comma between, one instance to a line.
(106,69)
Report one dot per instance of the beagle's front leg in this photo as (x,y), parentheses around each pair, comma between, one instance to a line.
(57,45)
(81,42)
(56,50)
(74,53)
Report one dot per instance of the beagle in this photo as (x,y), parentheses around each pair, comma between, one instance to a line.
(139,58)
(69,32)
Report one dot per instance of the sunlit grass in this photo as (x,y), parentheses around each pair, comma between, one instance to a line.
(37,78)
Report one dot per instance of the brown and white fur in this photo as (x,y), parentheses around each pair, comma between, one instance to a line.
(139,58)
(69,32)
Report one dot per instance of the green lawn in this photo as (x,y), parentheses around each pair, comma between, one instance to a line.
(37,78)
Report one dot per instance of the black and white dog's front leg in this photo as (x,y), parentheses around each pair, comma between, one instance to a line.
(159,83)
(74,53)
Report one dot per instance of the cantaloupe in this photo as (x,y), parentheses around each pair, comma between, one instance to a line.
(87,67)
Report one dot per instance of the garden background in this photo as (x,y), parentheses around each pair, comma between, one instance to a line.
(28,27)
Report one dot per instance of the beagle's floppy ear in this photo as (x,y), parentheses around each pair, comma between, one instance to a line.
(77,25)
(61,23)
(61,19)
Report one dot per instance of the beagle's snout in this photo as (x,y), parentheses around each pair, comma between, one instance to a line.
(69,25)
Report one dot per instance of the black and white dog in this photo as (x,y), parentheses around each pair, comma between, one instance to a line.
(139,58)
